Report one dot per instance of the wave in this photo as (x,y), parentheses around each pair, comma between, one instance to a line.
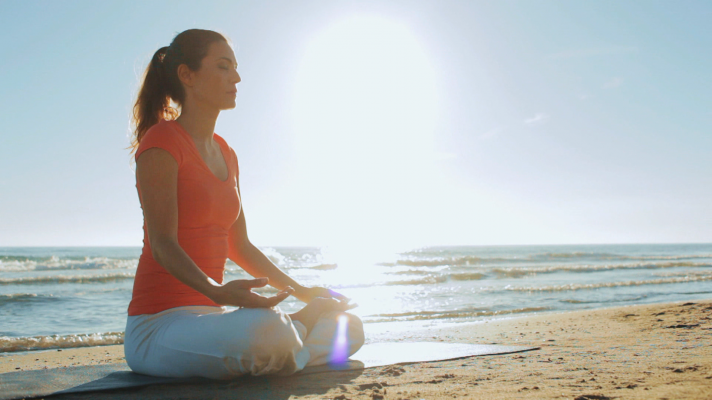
(237,270)
(438,262)
(323,267)
(273,255)
(539,257)
(431,315)
(25,297)
(67,279)
(584,286)
(54,263)
(468,276)
(573,254)
(411,272)
(12,344)
(517,272)
(514,272)
(627,299)
(27,258)
(429,280)
(679,257)
(433,279)
(612,256)
(684,273)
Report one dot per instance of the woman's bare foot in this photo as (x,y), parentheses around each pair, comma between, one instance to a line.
(312,311)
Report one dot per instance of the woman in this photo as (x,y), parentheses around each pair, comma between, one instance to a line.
(188,186)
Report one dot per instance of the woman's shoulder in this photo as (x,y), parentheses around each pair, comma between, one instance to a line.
(221,140)
(163,130)
(223,143)
(163,135)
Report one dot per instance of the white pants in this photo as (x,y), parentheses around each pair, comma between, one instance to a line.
(214,343)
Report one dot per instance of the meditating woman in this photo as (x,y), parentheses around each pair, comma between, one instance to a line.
(187,179)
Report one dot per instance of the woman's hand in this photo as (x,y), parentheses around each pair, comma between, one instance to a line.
(310,314)
(307,294)
(238,293)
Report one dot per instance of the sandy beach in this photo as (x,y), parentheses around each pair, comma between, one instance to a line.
(658,351)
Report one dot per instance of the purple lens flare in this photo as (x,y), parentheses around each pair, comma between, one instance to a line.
(340,347)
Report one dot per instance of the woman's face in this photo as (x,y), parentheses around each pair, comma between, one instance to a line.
(215,83)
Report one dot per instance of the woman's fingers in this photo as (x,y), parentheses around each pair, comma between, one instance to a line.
(258,301)
(345,306)
(267,302)
(274,300)
(344,303)
(331,304)
(338,295)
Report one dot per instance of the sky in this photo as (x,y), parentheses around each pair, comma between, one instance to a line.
(378,123)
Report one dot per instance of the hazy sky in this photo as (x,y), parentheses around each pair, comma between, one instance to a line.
(378,122)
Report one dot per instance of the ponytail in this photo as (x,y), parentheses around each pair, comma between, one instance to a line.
(153,102)
(161,85)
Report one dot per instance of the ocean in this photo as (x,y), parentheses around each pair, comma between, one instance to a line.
(55,297)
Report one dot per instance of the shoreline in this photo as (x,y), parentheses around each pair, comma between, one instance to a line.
(637,351)
(378,335)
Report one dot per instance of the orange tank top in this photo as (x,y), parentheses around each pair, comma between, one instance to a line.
(207,208)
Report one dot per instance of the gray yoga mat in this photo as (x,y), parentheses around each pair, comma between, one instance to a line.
(91,378)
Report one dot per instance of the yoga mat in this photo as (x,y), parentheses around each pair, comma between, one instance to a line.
(90,378)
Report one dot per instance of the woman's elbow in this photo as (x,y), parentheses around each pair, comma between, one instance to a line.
(239,249)
(160,247)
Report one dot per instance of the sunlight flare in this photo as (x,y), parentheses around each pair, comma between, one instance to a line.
(364,111)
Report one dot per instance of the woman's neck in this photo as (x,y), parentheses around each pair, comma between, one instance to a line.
(200,124)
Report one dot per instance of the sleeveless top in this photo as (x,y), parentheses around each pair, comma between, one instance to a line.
(207,208)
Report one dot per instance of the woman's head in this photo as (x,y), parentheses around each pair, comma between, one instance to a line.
(162,81)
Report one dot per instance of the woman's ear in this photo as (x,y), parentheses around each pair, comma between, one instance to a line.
(185,75)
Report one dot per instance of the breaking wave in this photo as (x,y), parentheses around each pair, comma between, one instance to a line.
(438,262)
(429,280)
(25,298)
(67,279)
(431,315)
(17,264)
(12,344)
(540,257)
(584,286)
(323,267)
(515,272)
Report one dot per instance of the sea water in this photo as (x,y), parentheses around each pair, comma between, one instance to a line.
(70,297)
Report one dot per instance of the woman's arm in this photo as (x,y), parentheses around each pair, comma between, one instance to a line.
(157,175)
(255,263)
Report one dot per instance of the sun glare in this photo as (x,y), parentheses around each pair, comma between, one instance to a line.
(365,106)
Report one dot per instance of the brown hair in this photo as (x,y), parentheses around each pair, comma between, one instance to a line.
(160,83)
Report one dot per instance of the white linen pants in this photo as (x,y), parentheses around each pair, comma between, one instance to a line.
(212,342)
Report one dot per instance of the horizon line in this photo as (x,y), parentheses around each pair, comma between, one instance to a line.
(414,247)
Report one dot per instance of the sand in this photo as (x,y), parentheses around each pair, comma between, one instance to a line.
(659,351)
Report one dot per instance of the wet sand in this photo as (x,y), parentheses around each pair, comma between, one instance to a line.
(659,351)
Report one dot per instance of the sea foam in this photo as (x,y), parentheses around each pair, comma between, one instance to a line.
(12,344)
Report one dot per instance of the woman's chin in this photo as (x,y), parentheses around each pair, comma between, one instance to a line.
(228,106)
